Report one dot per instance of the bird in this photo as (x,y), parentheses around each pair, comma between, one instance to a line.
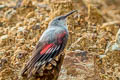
(51,43)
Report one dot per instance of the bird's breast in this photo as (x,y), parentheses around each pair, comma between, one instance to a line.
(61,36)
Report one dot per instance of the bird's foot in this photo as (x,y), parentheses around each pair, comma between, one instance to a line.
(54,66)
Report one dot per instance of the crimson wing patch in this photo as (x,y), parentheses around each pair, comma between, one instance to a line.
(46,47)
(47,54)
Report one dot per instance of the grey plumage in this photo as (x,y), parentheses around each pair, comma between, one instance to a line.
(50,44)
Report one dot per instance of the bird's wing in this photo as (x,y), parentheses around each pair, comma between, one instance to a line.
(48,47)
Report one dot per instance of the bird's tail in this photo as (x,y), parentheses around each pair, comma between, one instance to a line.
(24,70)
(28,70)
(29,67)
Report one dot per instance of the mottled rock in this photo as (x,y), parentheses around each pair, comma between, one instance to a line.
(2,6)
(10,13)
(21,29)
(4,37)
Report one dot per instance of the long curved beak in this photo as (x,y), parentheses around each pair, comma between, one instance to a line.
(65,16)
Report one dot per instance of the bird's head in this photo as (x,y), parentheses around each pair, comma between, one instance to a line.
(60,20)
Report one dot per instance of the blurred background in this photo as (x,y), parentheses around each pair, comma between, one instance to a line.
(92,31)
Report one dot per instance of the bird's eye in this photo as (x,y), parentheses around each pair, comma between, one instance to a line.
(59,18)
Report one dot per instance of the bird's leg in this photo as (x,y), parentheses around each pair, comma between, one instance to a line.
(53,65)
(55,61)
(56,67)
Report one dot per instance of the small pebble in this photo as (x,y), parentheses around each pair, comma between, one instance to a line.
(20,55)
(102,56)
(4,60)
(4,37)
